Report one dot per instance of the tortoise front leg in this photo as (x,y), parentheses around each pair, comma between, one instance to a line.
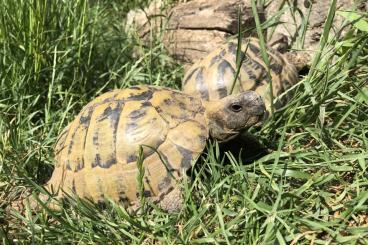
(170,201)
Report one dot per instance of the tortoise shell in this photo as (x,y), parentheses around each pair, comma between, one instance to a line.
(212,77)
(96,154)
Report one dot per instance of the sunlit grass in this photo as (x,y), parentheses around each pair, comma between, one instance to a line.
(55,56)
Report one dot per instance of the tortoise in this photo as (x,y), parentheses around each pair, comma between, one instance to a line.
(212,77)
(96,154)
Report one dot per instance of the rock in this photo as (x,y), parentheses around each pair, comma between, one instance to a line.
(292,19)
(197,27)
(142,21)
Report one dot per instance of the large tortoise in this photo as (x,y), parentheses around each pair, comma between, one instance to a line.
(212,77)
(96,154)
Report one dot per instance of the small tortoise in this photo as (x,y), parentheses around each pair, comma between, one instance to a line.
(212,77)
(96,154)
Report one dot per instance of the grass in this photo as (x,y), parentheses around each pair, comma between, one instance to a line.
(55,56)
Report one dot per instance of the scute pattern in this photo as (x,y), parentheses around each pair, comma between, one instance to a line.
(212,77)
(96,154)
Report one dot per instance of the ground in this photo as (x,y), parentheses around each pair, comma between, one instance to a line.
(311,188)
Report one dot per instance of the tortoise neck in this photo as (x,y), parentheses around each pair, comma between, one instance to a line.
(211,109)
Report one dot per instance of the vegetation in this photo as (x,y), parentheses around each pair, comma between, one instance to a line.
(55,56)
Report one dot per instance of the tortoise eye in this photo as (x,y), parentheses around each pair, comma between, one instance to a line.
(236,107)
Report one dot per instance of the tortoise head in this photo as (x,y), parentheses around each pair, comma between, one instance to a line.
(230,115)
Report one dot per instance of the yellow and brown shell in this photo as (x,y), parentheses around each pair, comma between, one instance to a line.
(212,77)
(96,154)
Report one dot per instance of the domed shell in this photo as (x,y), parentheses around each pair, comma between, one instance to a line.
(212,77)
(96,154)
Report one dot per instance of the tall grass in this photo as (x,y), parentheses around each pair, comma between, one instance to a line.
(58,55)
